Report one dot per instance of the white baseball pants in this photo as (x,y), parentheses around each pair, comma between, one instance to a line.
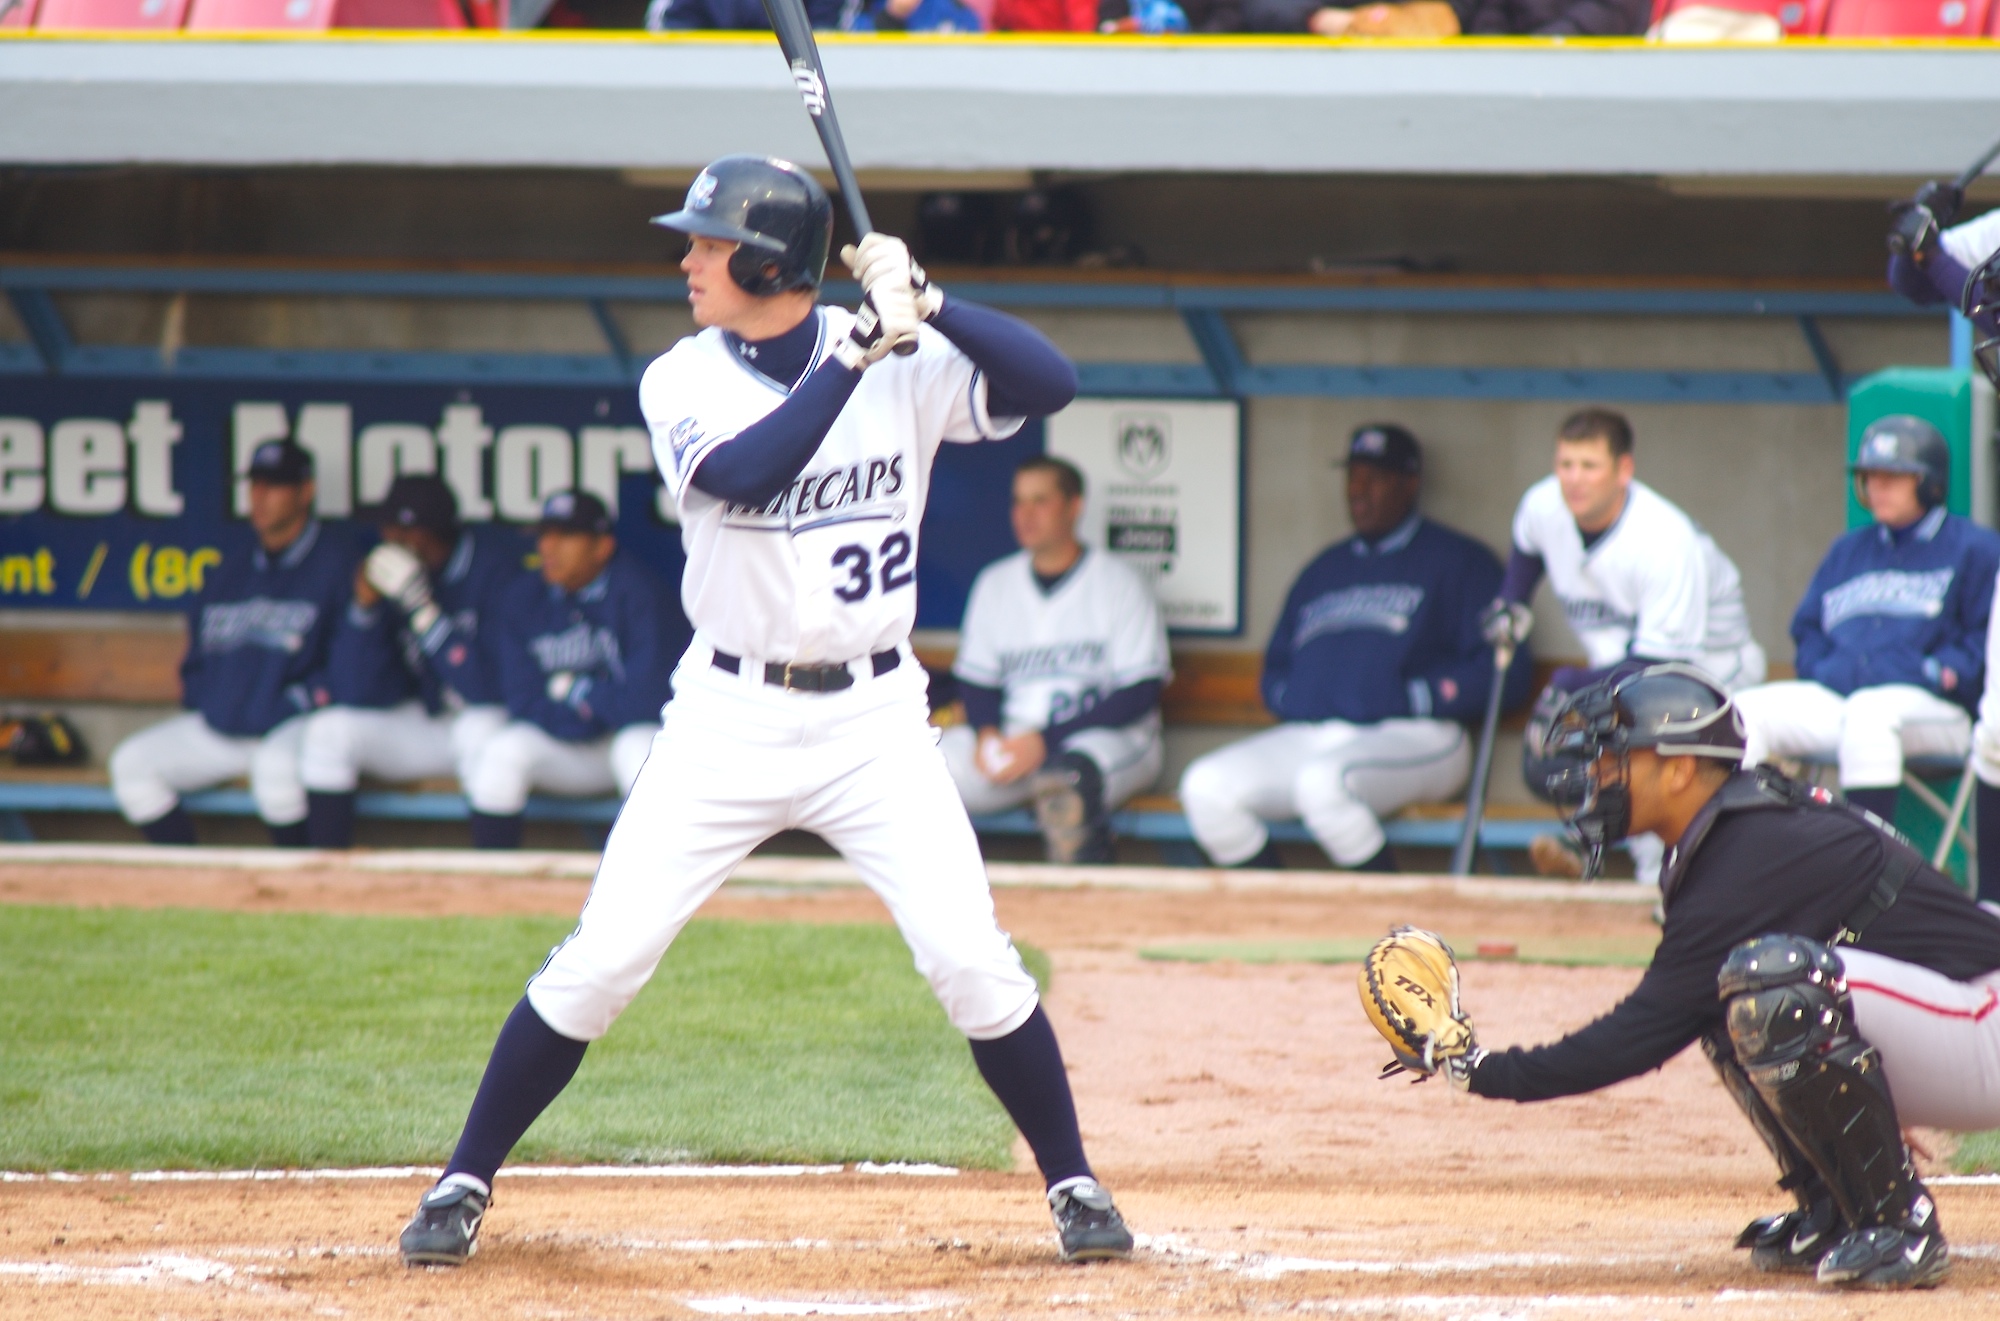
(1870,731)
(344,743)
(735,762)
(153,768)
(1130,757)
(1986,734)
(1340,778)
(1939,1039)
(521,757)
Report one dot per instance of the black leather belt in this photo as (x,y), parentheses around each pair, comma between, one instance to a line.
(810,678)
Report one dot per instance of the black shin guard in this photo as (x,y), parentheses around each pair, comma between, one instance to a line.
(1792,1240)
(1986,821)
(1791,1025)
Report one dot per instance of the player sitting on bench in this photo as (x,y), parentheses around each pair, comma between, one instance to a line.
(1376,661)
(586,653)
(1891,633)
(1060,664)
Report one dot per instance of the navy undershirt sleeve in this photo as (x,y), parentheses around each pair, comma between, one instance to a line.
(756,464)
(1026,375)
(982,705)
(1116,709)
(1524,574)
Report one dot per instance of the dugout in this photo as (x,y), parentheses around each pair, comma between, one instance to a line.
(1471,239)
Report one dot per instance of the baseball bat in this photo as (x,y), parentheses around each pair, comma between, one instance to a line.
(1463,856)
(1977,168)
(795,39)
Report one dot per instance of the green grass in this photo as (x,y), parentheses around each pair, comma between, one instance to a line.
(1636,953)
(1978,1153)
(171,1039)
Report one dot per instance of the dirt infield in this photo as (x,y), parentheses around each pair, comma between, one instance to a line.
(1233,1107)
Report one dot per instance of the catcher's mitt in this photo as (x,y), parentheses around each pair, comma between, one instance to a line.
(1409,990)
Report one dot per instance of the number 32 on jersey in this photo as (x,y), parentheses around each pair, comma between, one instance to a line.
(890,560)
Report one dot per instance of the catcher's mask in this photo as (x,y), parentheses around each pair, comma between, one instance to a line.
(1980,302)
(1674,709)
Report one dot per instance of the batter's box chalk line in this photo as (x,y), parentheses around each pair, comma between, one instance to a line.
(738,1305)
(148,1271)
(894,1169)
(1509,1307)
(1272,1266)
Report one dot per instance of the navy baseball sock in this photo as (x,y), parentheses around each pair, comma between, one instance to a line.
(496,832)
(330,820)
(1882,802)
(1986,820)
(176,827)
(1025,1070)
(1383,861)
(1264,859)
(292,836)
(531,1064)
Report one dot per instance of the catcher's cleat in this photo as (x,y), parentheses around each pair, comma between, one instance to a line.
(1793,1243)
(1087,1223)
(1553,855)
(445,1229)
(1887,1257)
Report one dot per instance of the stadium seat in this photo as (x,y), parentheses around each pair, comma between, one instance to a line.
(1799,18)
(162,15)
(319,15)
(1908,18)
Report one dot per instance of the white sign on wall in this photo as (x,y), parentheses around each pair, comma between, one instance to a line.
(1163,485)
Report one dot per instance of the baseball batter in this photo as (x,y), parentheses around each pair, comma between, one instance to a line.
(1637,579)
(1891,631)
(256,664)
(799,452)
(1841,987)
(415,683)
(1376,660)
(1061,660)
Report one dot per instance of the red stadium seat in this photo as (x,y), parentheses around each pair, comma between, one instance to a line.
(319,15)
(1799,18)
(1908,18)
(108,14)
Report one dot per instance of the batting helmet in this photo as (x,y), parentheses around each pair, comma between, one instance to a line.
(1980,302)
(1901,443)
(778,216)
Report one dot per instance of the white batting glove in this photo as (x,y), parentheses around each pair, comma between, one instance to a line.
(882,261)
(399,575)
(877,330)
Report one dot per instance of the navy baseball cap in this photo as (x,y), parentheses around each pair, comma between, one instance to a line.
(419,501)
(574,511)
(1385,445)
(282,462)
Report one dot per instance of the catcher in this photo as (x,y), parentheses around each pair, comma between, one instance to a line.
(1840,986)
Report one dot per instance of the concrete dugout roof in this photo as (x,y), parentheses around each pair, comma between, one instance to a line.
(1004,104)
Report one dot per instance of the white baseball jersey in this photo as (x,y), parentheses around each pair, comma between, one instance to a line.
(1054,654)
(1654,585)
(825,573)
(1972,242)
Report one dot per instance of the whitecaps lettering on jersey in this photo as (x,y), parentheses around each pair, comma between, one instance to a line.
(1585,614)
(257,622)
(860,492)
(1383,607)
(578,647)
(1058,658)
(1894,592)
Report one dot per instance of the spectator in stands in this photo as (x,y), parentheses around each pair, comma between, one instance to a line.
(1045,15)
(729,15)
(1891,633)
(415,674)
(1375,664)
(908,16)
(256,664)
(1060,664)
(586,654)
(1425,18)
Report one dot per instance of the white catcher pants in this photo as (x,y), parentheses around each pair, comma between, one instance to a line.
(735,762)
(153,768)
(344,743)
(1986,734)
(1939,1039)
(521,757)
(1341,778)
(1129,756)
(1870,731)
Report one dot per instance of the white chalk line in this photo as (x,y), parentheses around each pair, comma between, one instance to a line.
(1505,1307)
(1963,1180)
(737,1305)
(165,1269)
(914,1170)
(1271,1266)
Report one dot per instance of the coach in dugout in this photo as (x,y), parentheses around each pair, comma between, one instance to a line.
(256,664)
(586,653)
(1375,663)
(415,674)
(1891,633)
(1061,660)
(1638,580)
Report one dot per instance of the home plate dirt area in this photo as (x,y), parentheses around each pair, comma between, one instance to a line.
(1228,1091)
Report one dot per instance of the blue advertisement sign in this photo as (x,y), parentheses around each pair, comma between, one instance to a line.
(123,494)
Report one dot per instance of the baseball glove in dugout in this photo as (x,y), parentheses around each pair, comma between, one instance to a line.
(1409,990)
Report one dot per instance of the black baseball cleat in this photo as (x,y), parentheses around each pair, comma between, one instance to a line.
(1794,1242)
(1087,1223)
(445,1229)
(1886,1257)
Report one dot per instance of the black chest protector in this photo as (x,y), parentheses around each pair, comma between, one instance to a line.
(1765,789)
